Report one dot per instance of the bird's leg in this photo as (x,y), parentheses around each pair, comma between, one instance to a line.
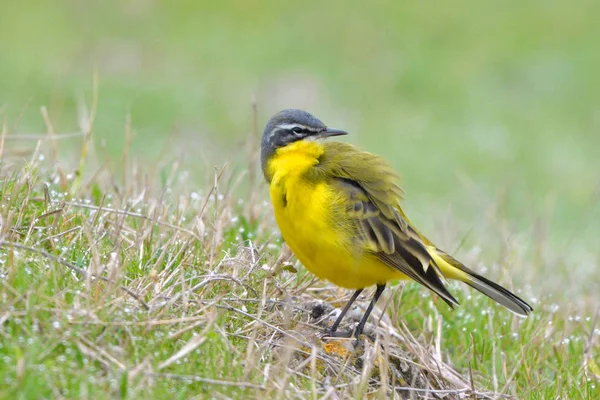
(361,326)
(339,319)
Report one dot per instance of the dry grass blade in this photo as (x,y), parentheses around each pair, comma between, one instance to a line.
(134,215)
(100,353)
(195,378)
(2,138)
(43,136)
(190,346)
(153,322)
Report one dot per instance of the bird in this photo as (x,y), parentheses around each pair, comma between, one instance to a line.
(338,209)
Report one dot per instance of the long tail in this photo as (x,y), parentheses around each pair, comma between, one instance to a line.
(454,269)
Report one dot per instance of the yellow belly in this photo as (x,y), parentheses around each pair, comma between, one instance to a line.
(311,219)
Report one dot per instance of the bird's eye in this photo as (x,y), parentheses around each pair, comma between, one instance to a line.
(297,131)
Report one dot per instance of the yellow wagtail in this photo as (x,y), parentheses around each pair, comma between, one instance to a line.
(338,209)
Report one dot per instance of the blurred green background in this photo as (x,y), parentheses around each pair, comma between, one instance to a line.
(491,111)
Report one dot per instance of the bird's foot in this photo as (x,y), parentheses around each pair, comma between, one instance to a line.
(346,334)
(328,333)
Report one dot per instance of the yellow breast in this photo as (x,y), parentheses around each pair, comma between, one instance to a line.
(312,219)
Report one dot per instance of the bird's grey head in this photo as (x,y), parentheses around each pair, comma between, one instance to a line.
(289,126)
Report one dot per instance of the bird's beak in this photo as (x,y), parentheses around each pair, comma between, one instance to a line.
(329,132)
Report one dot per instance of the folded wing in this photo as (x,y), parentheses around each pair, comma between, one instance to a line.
(373,197)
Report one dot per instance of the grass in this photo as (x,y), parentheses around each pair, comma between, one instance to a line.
(131,267)
(119,283)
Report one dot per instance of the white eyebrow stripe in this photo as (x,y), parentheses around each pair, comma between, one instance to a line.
(292,126)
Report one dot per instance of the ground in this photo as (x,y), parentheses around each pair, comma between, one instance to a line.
(145,289)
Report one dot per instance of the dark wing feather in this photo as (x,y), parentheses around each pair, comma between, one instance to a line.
(373,197)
